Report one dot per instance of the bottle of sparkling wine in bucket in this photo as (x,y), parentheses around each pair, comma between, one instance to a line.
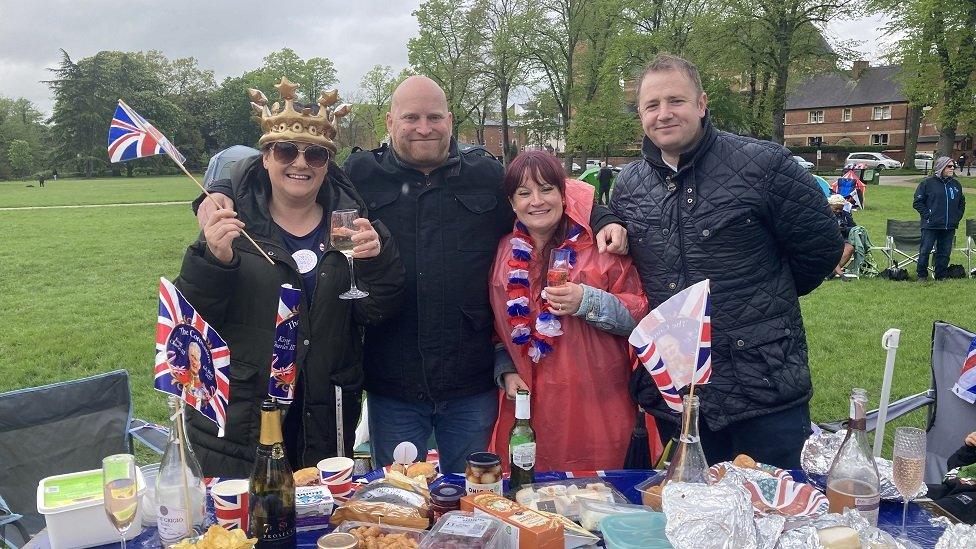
(180,492)
(271,516)
(853,481)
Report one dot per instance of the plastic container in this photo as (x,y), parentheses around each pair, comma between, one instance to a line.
(648,498)
(592,512)
(635,531)
(463,529)
(148,499)
(72,507)
(412,533)
(562,496)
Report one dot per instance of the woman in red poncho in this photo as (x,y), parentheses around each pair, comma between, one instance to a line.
(569,344)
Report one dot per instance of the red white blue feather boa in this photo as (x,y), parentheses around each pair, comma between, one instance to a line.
(535,339)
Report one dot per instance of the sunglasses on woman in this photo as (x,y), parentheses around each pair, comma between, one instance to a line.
(286,152)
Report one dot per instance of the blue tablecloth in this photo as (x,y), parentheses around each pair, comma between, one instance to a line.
(889,519)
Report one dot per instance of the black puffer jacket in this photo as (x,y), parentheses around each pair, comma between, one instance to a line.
(743,214)
(240,301)
(940,202)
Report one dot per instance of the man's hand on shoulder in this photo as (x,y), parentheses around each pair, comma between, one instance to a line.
(210,205)
(611,238)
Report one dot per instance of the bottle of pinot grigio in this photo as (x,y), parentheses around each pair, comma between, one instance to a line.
(272,491)
(521,444)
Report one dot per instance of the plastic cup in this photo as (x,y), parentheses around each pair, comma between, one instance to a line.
(231,503)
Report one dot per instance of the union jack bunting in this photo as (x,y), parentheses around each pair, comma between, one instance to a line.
(965,388)
(192,360)
(281,386)
(674,342)
(131,136)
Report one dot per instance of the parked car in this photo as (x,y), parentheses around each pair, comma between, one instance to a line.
(873,160)
(923,161)
(806,164)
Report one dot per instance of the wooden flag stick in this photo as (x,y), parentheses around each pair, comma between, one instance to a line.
(211,198)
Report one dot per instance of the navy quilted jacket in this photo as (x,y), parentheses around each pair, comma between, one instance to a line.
(743,214)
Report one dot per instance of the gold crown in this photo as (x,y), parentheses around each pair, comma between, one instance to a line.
(290,125)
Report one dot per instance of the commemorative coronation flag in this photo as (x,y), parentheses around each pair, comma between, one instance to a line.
(965,388)
(674,342)
(281,386)
(131,136)
(192,360)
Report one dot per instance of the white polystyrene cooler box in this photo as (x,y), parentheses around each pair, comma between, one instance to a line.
(72,506)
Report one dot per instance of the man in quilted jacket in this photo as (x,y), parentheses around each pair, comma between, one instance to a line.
(706,204)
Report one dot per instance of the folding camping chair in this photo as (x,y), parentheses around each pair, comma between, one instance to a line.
(902,238)
(61,428)
(950,418)
(970,250)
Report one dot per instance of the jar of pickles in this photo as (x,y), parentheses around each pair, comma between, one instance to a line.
(483,473)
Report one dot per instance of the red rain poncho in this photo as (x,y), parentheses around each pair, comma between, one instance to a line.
(582,413)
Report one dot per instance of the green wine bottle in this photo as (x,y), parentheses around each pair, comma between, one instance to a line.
(521,445)
(271,505)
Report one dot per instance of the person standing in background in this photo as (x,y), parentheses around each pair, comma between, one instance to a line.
(941,204)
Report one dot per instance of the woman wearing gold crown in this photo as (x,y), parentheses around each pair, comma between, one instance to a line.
(284,198)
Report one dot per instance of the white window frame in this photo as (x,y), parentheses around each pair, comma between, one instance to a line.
(815,117)
(847,115)
(880,139)
(882,112)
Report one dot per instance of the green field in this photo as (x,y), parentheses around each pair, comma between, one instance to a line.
(78,288)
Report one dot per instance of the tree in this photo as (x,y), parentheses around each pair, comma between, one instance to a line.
(85,97)
(937,53)
(503,63)
(20,120)
(541,119)
(788,32)
(376,90)
(447,51)
(20,157)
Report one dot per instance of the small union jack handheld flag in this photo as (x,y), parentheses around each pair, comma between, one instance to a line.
(965,388)
(131,136)
(192,360)
(674,342)
(281,386)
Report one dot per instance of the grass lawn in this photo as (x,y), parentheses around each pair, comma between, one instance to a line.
(79,291)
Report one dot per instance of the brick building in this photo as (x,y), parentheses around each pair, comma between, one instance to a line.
(866,107)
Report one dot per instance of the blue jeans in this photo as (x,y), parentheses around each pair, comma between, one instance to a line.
(460,426)
(941,239)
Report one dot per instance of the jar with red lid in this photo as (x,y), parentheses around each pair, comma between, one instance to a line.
(444,499)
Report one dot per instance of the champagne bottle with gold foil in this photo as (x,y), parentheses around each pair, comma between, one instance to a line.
(272,491)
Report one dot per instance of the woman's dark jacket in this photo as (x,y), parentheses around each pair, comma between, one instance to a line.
(741,213)
(940,202)
(240,301)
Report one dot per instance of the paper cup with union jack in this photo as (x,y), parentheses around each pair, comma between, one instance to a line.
(231,503)
(336,473)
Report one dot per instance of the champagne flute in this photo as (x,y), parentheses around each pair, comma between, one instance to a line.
(558,273)
(342,229)
(120,491)
(908,465)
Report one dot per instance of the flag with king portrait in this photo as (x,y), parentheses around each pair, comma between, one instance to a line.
(673,342)
(281,386)
(965,388)
(192,360)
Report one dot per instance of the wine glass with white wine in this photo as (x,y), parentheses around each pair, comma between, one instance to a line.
(120,491)
(908,466)
(342,228)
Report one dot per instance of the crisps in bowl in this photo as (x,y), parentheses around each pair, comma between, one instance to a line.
(218,538)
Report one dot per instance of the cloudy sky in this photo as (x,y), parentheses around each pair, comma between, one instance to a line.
(227,37)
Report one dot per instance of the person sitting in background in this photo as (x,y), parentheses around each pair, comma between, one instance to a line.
(845,222)
(568,341)
(957,493)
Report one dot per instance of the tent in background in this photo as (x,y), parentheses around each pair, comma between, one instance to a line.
(219,166)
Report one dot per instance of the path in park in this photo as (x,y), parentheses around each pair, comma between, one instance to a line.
(91,206)
(910,181)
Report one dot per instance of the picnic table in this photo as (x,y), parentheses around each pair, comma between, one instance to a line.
(889,519)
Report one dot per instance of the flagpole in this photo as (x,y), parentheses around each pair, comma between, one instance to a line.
(209,196)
